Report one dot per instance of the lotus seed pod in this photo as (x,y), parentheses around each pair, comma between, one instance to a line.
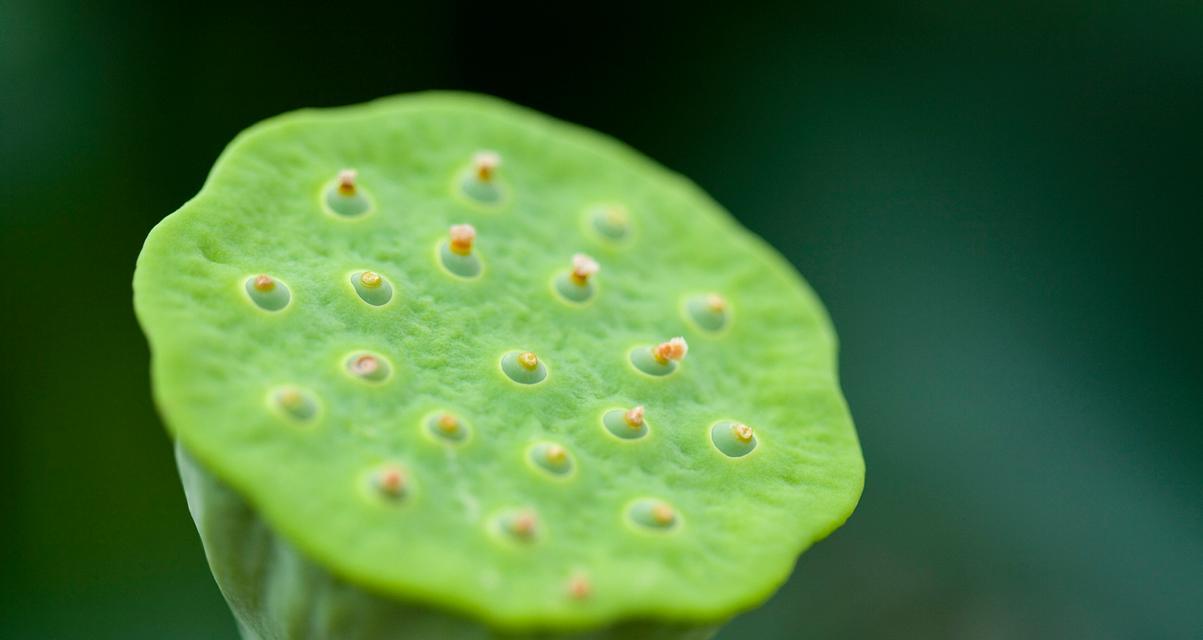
(401,450)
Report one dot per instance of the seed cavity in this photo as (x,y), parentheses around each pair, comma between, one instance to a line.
(551,458)
(653,514)
(344,197)
(267,292)
(733,439)
(391,482)
(627,424)
(456,255)
(372,287)
(523,367)
(610,221)
(368,366)
(447,427)
(576,285)
(480,183)
(579,587)
(295,403)
(520,525)
(661,359)
(710,312)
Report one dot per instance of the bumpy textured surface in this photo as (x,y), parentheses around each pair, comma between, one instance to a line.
(269,402)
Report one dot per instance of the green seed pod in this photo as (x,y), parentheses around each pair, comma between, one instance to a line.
(334,499)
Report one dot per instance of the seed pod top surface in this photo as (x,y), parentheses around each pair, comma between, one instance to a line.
(426,417)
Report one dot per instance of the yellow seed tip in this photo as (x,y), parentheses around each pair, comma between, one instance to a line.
(555,453)
(528,360)
(370,279)
(486,164)
(579,587)
(448,423)
(742,432)
(462,236)
(582,267)
(264,283)
(634,417)
(346,181)
(663,514)
(674,349)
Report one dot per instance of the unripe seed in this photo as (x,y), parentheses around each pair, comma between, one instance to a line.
(344,198)
(295,403)
(733,439)
(456,255)
(575,285)
(661,359)
(267,292)
(523,367)
(653,514)
(628,424)
(372,287)
(551,458)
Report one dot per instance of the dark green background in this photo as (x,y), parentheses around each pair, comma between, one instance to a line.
(999,206)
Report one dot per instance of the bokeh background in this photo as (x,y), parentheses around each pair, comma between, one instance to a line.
(1000,208)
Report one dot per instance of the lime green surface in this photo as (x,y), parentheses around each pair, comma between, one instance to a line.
(219,361)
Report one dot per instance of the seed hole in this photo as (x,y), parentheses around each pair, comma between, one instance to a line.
(372,287)
(576,285)
(551,458)
(345,198)
(295,403)
(447,427)
(456,253)
(709,312)
(733,439)
(653,514)
(480,182)
(661,359)
(610,221)
(267,292)
(523,367)
(628,424)
(368,366)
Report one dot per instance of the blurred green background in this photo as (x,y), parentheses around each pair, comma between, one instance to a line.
(1000,208)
